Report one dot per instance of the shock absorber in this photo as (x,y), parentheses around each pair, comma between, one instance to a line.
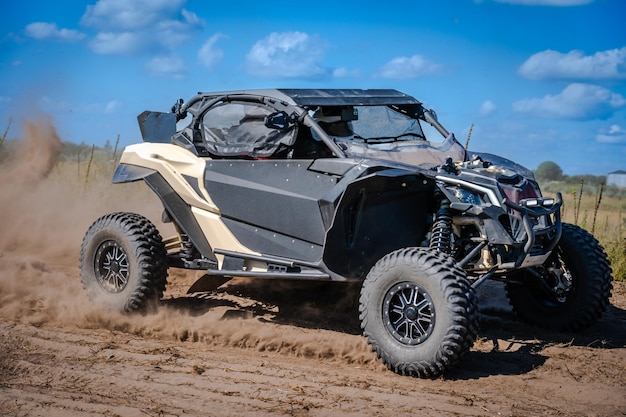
(187,250)
(441,234)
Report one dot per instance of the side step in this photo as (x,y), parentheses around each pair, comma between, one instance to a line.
(271,274)
(277,267)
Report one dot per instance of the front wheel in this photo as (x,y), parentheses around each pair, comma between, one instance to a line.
(571,291)
(418,312)
(123,262)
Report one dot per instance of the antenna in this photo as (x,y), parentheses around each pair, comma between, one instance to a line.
(469,134)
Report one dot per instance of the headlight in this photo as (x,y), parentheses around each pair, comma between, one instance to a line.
(537,202)
(466,196)
(467,192)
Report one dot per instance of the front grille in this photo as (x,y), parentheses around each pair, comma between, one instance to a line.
(516,193)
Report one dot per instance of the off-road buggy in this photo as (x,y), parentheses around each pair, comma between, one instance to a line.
(345,185)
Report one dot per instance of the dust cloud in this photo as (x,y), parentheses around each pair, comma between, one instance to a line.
(46,207)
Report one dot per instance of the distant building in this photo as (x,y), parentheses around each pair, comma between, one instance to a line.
(617,178)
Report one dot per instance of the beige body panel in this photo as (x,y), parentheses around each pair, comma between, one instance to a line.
(172,162)
(218,235)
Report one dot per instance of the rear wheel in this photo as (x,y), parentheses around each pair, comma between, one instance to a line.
(123,262)
(571,291)
(417,310)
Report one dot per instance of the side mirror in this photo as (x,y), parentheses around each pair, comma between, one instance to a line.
(177,109)
(348,114)
(279,120)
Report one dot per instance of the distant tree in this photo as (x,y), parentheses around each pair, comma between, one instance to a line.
(549,171)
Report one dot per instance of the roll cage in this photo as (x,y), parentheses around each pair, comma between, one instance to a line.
(292,110)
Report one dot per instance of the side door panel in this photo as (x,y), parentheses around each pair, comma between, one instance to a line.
(272,206)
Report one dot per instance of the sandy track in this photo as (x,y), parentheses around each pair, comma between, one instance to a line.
(231,354)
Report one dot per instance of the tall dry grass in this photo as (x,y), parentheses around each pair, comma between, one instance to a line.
(605,218)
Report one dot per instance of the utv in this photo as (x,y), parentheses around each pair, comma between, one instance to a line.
(347,185)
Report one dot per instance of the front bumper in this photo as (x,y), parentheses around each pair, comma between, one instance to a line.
(510,236)
(540,229)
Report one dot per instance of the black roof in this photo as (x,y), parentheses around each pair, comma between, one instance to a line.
(319,97)
(347,97)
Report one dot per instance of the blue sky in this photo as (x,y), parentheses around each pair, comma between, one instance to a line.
(539,80)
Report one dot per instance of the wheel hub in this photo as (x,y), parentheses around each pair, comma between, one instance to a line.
(408,313)
(111,266)
(562,283)
(115,267)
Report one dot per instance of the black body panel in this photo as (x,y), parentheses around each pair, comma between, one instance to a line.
(157,126)
(344,222)
(281,196)
(272,243)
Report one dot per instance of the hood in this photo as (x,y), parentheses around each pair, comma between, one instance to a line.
(497,167)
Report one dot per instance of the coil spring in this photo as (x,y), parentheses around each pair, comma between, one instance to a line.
(441,234)
(188,249)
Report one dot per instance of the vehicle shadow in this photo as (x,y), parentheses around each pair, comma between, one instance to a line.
(507,346)
(306,304)
(510,346)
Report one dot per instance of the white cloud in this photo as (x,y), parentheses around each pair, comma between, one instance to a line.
(408,67)
(128,15)
(166,66)
(172,32)
(46,30)
(153,25)
(209,54)
(549,64)
(614,134)
(191,18)
(576,101)
(346,73)
(487,108)
(117,43)
(564,3)
(112,106)
(287,55)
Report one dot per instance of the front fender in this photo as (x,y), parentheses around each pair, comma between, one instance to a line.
(376,215)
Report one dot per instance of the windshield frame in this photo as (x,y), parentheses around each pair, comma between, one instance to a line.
(350,147)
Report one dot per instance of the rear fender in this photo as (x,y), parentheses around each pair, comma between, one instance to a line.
(130,173)
(177,209)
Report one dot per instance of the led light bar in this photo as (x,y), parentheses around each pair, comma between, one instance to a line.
(537,202)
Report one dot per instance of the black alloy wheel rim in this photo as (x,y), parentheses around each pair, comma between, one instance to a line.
(111,266)
(408,313)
